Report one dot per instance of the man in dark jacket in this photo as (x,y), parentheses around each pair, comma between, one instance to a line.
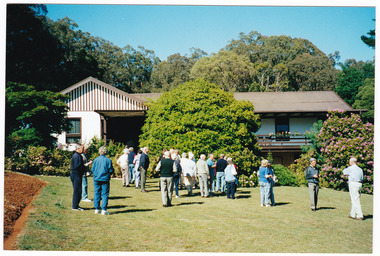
(77,171)
(221,164)
(167,168)
(312,176)
(143,168)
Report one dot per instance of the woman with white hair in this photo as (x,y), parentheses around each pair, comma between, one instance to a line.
(102,169)
(203,175)
(230,173)
(264,183)
(188,170)
(124,166)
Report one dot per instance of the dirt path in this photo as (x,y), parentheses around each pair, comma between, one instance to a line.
(19,193)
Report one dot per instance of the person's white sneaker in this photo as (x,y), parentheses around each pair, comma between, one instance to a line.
(176,196)
(86,200)
(78,209)
(105,212)
(97,211)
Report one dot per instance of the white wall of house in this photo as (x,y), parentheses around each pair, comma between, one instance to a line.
(300,125)
(90,127)
(267,126)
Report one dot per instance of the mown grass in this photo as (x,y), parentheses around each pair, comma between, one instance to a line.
(138,222)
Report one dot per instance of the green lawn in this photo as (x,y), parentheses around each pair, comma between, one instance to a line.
(138,222)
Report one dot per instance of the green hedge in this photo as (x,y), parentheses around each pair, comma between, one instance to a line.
(285,177)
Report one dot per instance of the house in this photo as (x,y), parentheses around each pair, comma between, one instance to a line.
(101,110)
(97,109)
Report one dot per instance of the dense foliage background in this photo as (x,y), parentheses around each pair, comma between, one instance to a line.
(44,57)
(199,117)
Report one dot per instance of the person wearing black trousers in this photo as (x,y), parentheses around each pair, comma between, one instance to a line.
(77,171)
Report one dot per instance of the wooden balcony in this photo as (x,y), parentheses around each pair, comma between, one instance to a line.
(281,142)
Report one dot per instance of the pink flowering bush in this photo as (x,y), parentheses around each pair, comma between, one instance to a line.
(341,137)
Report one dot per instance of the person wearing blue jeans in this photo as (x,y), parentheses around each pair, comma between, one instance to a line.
(132,174)
(102,169)
(264,176)
(211,166)
(230,174)
(86,173)
(176,175)
(221,164)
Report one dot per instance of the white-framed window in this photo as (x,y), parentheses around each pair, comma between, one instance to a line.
(74,135)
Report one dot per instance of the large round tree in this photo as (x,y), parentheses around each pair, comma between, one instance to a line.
(197,116)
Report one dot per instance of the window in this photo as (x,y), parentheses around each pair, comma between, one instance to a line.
(282,128)
(282,125)
(74,135)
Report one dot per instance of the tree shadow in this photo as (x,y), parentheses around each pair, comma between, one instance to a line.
(118,197)
(326,208)
(133,210)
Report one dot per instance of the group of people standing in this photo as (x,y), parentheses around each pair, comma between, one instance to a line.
(101,168)
(175,170)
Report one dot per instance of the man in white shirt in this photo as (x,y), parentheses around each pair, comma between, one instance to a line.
(189,170)
(123,163)
(355,180)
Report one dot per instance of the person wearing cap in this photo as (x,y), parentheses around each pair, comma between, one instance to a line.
(355,180)
(312,176)
(167,168)
(124,166)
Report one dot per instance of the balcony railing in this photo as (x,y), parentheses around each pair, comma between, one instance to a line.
(282,141)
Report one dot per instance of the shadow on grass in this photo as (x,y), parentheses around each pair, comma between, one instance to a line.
(242,196)
(189,203)
(243,192)
(368,217)
(326,208)
(119,206)
(133,210)
(118,197)
(282,203)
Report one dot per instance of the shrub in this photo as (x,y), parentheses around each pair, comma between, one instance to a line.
(284,176)
(341,138)
(300,165)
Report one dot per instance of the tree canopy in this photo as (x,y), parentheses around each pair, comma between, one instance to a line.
(32,116)
(197,116)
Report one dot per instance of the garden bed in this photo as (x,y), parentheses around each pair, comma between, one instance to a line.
(19,192)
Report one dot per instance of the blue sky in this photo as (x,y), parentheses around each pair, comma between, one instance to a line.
(175,29)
